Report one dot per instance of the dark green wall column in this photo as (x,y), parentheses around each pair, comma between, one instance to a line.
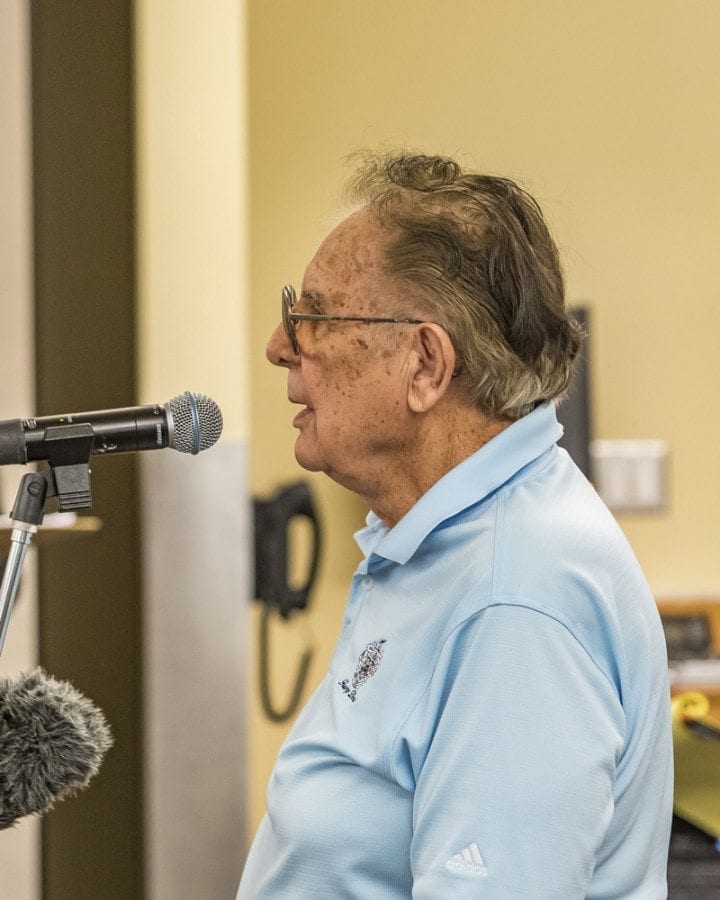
(90,587)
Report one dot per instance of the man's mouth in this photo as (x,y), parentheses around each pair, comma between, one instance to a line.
(303,414)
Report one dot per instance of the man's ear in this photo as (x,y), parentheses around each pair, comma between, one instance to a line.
(433,365)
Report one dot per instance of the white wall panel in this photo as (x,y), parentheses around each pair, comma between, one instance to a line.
(197,576)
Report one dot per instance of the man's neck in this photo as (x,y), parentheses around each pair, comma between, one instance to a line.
(434,452)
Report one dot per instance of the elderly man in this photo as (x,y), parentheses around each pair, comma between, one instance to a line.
(495,721)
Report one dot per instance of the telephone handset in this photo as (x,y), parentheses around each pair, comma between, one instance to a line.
(273,518)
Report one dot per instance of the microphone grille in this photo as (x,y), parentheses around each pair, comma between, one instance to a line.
(196,422)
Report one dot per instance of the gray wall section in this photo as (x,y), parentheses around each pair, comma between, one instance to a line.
(197,533)
(90,589)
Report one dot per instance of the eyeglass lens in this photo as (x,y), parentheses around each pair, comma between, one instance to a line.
(287,303)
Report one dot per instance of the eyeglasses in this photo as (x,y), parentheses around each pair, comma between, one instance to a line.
(289,318)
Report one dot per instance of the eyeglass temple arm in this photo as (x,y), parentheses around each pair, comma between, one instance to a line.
(312,317)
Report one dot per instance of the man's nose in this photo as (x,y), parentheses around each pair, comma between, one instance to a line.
(279,351)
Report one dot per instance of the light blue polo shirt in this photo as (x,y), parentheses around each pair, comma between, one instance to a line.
(495,722)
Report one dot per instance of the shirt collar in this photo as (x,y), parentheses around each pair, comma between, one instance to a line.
(471,481)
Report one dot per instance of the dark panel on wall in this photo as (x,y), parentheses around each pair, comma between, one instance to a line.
(90,597)
(574,413)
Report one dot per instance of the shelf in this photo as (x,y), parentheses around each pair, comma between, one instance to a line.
(54,531)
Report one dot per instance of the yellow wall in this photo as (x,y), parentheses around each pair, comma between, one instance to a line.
(191,196)
(607,112)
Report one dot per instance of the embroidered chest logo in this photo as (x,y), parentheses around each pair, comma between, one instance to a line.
(367,665)
(468,862)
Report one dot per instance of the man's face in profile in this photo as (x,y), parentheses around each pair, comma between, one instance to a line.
(348,376)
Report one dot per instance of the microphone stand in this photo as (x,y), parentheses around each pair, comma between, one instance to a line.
(26,515)
(68,479)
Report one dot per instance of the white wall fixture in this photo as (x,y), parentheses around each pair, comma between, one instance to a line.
(631,475)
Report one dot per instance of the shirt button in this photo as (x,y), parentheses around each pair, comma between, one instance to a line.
(367,582)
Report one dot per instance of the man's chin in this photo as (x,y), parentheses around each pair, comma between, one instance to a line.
(307,459)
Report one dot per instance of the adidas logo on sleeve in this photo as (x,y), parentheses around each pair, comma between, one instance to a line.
(468,862)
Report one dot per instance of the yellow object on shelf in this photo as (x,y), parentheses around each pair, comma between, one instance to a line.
(696,742)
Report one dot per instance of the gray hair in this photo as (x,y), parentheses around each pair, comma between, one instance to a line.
(478,249)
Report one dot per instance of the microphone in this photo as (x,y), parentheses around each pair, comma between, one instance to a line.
(188,423)
(52,741)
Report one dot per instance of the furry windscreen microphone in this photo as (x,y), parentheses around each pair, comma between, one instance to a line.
(52,741)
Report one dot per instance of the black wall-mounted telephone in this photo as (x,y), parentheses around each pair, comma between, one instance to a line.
(273,518)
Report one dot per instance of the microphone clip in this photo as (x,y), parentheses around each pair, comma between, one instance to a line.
(70,447)
(68,479)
